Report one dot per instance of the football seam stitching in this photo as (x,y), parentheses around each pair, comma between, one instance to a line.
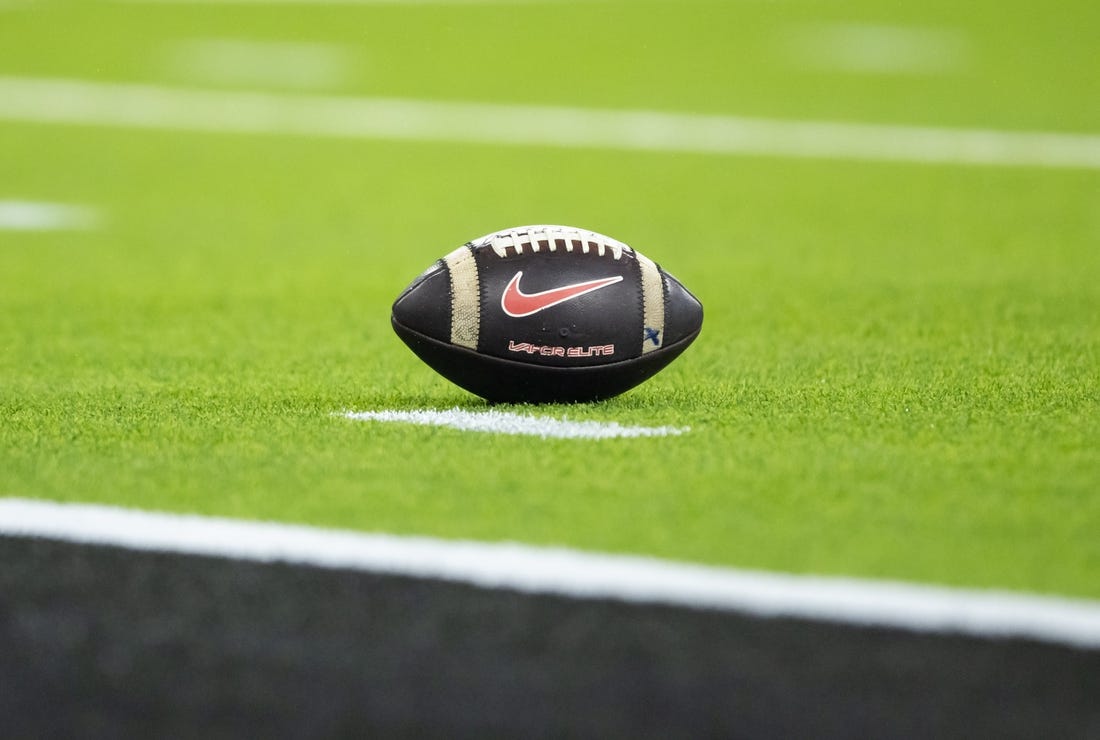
(604,245)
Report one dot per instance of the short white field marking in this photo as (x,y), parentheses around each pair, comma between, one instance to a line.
(878,49)
(347,2)
(507,422)
(989,614)
(296,65)
(76,102)
(29,215)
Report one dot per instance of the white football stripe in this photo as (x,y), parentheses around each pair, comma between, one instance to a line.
(507,422)
(76,102)
(653,305)
(465,297)
(29,215)
(571,573)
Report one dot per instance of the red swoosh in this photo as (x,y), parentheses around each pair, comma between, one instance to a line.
(518,304)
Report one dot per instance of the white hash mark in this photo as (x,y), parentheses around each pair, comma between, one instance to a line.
(506,422)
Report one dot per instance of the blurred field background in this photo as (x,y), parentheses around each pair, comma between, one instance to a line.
(899,372)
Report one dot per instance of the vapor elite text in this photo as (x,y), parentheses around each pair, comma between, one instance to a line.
(547,350)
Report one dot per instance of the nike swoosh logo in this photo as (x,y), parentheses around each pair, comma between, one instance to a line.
(518,304)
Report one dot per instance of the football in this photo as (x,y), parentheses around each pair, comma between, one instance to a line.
(546,314)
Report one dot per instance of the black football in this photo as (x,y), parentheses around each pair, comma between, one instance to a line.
(546,314)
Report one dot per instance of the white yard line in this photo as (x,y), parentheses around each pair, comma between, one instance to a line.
(506,422)
(30,215)
(350,2)
(878,49)
(77,102)
(990,614)
(248,63)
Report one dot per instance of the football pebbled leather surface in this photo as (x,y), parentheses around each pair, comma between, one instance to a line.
(542,314)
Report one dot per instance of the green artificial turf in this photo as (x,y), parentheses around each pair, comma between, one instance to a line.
(899,371)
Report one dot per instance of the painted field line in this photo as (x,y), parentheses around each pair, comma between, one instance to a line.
(349,2)
(865,48)
(284,64)
(506,422)
(571,573)
(76,102)
(31,215)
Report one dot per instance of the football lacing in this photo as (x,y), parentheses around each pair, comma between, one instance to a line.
(551,239)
